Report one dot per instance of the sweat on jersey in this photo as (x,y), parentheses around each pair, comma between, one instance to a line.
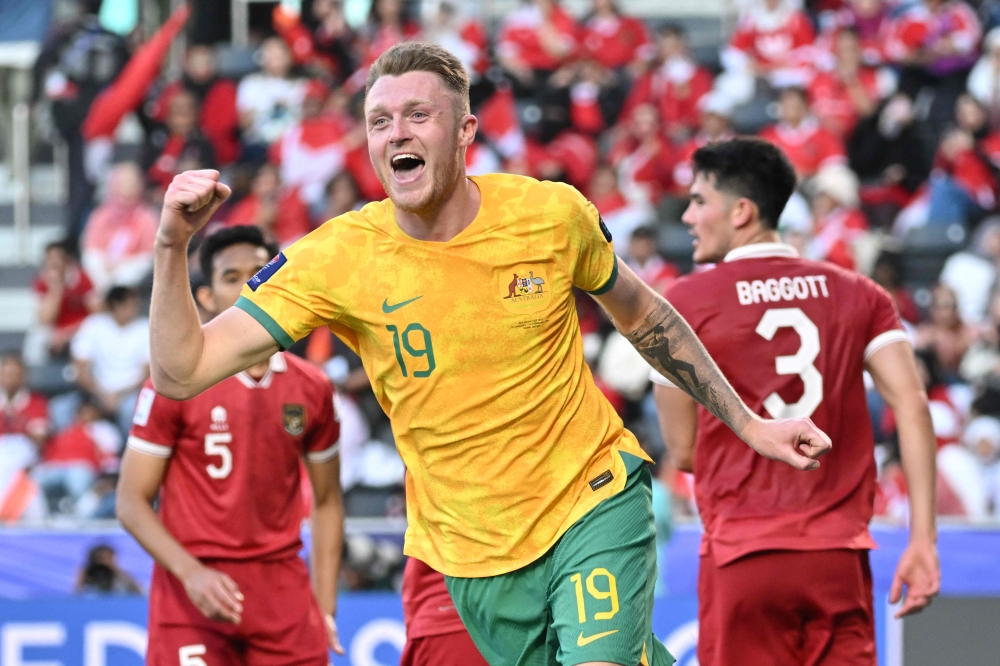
(474,351)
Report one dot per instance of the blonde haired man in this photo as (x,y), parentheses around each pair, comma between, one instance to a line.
(524,489)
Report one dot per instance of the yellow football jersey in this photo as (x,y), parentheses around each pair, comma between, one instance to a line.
(474,351)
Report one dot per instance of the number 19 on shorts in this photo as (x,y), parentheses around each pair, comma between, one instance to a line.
(598,578)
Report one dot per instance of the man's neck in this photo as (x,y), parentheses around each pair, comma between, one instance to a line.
(758,234)
(448,219)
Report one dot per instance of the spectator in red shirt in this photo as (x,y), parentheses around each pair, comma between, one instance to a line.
(218,120)
(279,211)
(467,39)
(962,186)
(675,84)
(313,150)
(614,40)
(715,112)
(807,145)
(118,239)
(935,42)
(851,90)
(332,46)
(867,19)
(620,216)
(645,260)
(22,412)
(837,219)
(596,94)
(178,142)
(65,297)
(643,158)
(387,26)
(535,40)
(24,427)
(771,40)
(72,459)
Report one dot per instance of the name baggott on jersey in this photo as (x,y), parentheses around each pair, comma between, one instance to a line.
(773,290)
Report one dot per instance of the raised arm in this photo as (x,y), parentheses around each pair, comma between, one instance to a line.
(667,343)
(186,357)
(896,377)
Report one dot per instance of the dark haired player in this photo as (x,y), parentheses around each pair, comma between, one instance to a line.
(784,576)
(229,586)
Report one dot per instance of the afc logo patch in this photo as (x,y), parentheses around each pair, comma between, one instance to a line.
(264,274)
(294,418)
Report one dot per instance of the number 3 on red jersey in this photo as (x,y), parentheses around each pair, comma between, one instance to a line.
(801,363)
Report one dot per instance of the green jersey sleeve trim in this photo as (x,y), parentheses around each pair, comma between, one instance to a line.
(610,283)
(283,339)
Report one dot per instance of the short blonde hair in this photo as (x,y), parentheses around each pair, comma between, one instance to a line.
(421,57)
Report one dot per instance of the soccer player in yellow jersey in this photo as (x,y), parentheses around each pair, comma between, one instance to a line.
(524,488)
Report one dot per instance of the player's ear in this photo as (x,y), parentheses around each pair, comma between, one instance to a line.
(204,297)
(743,213)
(467,127)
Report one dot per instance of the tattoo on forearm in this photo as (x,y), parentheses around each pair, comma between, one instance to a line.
(665,340)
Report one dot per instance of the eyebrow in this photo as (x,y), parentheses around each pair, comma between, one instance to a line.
(408,105)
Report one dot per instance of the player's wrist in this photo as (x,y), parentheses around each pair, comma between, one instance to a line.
(922,537)
(171,242)
(186,570)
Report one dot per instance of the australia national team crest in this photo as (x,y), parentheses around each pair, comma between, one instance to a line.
(524,289)
(294,417)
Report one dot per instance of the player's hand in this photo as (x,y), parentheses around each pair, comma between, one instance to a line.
(332,636)
(190,201)
(919,570)
(215,594)
(797,442)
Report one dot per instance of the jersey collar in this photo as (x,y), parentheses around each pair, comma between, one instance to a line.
(760,250)
(276,363)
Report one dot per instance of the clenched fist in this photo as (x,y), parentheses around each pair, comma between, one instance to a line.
(797,442)
(191,200)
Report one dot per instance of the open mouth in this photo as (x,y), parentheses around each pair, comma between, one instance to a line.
(406,167)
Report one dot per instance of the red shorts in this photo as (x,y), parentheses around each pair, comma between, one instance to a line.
(454,649)
(281,626)
(807,608)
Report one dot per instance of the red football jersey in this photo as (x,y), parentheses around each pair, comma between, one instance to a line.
(232,488)
(427,607)
(809,147)
(792,337)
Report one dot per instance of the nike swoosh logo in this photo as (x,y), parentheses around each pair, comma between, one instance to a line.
(585,640)
(386,308)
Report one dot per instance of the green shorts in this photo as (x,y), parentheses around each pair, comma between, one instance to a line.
(590,598)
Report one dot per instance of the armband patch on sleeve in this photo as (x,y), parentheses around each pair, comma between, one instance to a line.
(264,274)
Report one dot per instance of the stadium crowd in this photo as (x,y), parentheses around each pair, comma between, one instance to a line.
(888,110)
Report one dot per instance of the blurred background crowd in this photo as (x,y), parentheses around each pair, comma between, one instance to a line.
(889,111)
